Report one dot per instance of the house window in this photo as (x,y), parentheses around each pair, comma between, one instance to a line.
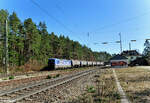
(131,57)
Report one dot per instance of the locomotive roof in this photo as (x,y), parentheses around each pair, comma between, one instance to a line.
(58,59)
(53,58)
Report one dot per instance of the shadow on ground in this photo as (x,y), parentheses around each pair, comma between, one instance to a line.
(46,68)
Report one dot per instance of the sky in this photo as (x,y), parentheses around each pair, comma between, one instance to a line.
(90,22)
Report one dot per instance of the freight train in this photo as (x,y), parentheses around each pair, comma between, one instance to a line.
(55,63)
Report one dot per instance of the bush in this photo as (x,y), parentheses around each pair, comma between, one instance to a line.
(49,77)
(11,77)
(56,76)
(116,95)
(96,76)
(27,74)
(91,89)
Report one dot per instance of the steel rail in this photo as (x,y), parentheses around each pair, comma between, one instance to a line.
(37,84)
(61,81)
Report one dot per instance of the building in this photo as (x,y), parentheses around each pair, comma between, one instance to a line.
(119,61)
(132,55)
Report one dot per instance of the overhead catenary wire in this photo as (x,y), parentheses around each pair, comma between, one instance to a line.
(102,28)
(55,19)
(51,16)
(58,7)
(122,21)
(118,23)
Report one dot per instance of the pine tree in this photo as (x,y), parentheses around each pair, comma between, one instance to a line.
(45,47)
(146,51)
(28,41)
(54,41)
(15,40)
(32,40)
(3,17)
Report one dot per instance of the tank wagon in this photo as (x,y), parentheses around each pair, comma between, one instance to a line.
(76,63)
(84,63)
(94,63)
(90,63)
(55,63)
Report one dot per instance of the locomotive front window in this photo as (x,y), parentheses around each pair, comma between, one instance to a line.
(51,61)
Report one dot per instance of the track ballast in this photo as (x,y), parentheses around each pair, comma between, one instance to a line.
(20,93)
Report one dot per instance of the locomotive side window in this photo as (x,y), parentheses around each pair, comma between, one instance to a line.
(57,62)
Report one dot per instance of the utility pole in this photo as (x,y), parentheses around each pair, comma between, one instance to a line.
(6,48)
(88,34)
(120,43)
(129,46)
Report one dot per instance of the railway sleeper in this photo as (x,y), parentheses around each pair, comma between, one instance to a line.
(43,89)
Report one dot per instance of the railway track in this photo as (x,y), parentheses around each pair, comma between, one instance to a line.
(20,93)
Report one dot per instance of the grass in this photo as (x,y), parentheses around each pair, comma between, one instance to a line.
(91,89)
(55,76)
(136,83)
(5,79)
(104,90)
(77,69)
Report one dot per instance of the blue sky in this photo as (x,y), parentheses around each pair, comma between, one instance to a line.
(103,19)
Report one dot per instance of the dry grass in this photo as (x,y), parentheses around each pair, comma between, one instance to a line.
(136,83)
(104,89)
(107,91)
(28,67)
(78,69)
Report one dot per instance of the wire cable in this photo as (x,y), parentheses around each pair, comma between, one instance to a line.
(123,21)
(55,19)
(51,16)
